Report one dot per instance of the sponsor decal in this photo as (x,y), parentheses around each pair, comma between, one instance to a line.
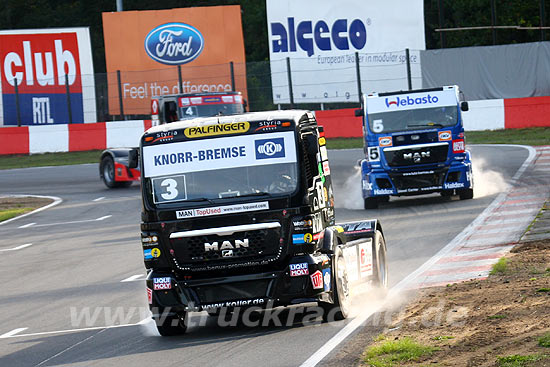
(324,154)
(149,296)
(416,173)
(299,224)
(147,254)
(268,125)
(162,283)
(358,227)
(326,279)
(317,280)
(385,141)
(453,185)
(367,186)
(318,236)
(219,210)
(326,168)
(218,129)
(416,157)
(383,191)
(322,141)
(350,255)
(240,303)
(226,245)
(174,43)
(408,101)
(155,252)
(154,107)
(340,34)
(308,237)
(445,135)
(270,148)
(458,146)
(227,99)
(365,259)
(297,239)
(297,270)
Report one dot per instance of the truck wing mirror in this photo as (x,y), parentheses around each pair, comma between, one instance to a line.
(133,158)
(358,112)
(464,106)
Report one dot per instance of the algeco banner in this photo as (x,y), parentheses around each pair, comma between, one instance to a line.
(320,37)
(46,76)
(147,47)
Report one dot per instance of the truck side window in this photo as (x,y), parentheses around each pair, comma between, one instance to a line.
(310,149)
(170,111)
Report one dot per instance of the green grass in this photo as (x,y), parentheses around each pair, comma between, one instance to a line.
(544,341)
(344,143)
(543,290)
(496,317)
(10,213)
(500,267)
(443,337)
(396,351)
(517,360)
(48,159)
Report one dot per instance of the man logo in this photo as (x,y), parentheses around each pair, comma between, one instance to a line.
(227,253)
(270,148)
(226,245)
(416,157)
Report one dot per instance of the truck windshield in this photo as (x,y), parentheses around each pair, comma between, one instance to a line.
(270,179)
(189,112)
(395,121)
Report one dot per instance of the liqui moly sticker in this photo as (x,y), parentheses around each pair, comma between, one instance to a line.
(326,168)
(162,283)
(297,270)
(317,280)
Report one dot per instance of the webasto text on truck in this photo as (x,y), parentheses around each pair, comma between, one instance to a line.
(238,211)
(414,144)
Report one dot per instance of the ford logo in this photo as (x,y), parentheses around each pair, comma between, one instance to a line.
(174,43)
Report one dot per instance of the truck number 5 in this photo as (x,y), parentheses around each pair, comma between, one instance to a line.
(374,154)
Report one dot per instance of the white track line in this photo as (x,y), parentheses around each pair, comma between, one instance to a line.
(10,334)
(55,199)
(99,199)
(73,222)
(27,225)
(17,248)
(412,277)
(133,278)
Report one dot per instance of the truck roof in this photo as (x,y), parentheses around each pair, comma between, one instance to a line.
(201,94)
(250,116)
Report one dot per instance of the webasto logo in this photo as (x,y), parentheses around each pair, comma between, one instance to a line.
(174,43)
(408,101)
(339,35)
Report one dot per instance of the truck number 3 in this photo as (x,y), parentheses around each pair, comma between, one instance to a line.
(171,192)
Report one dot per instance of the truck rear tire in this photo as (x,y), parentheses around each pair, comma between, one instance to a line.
(466,194)
(172,325)
(339,310)
(371,203)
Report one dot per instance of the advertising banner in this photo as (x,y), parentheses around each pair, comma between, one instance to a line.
(148,46)
(37,66)
(320,37)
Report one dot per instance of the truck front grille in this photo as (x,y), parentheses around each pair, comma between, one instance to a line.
(416,155)
(233,291)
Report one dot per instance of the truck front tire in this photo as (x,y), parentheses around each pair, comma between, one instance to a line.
(379,261)
(371,203)
(172,325)
(339,310)
(466,194)
(107,173)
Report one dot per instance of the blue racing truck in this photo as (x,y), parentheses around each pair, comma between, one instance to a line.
(414,144)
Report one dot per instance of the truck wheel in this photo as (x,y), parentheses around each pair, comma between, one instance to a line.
(172,325)
(107,173)
(466,194)
(379,260)
(371,203)
(446,193)
(339,310)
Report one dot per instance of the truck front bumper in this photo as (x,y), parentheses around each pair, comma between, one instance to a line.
(273,288)
(417,181)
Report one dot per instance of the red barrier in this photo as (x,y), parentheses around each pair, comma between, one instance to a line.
(340,123)
(14,140)
(526,112)
(147,124)
(87,137)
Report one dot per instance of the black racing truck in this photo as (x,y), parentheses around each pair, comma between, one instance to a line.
(113,162)
(238,211)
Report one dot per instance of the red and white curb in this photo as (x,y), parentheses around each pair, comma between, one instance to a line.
(496,231)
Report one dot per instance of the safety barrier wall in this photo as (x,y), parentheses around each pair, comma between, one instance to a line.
(483,115)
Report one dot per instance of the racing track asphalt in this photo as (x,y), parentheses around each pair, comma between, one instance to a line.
(79,257)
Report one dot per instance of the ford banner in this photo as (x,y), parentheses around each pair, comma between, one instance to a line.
(38,67)
(321,37)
